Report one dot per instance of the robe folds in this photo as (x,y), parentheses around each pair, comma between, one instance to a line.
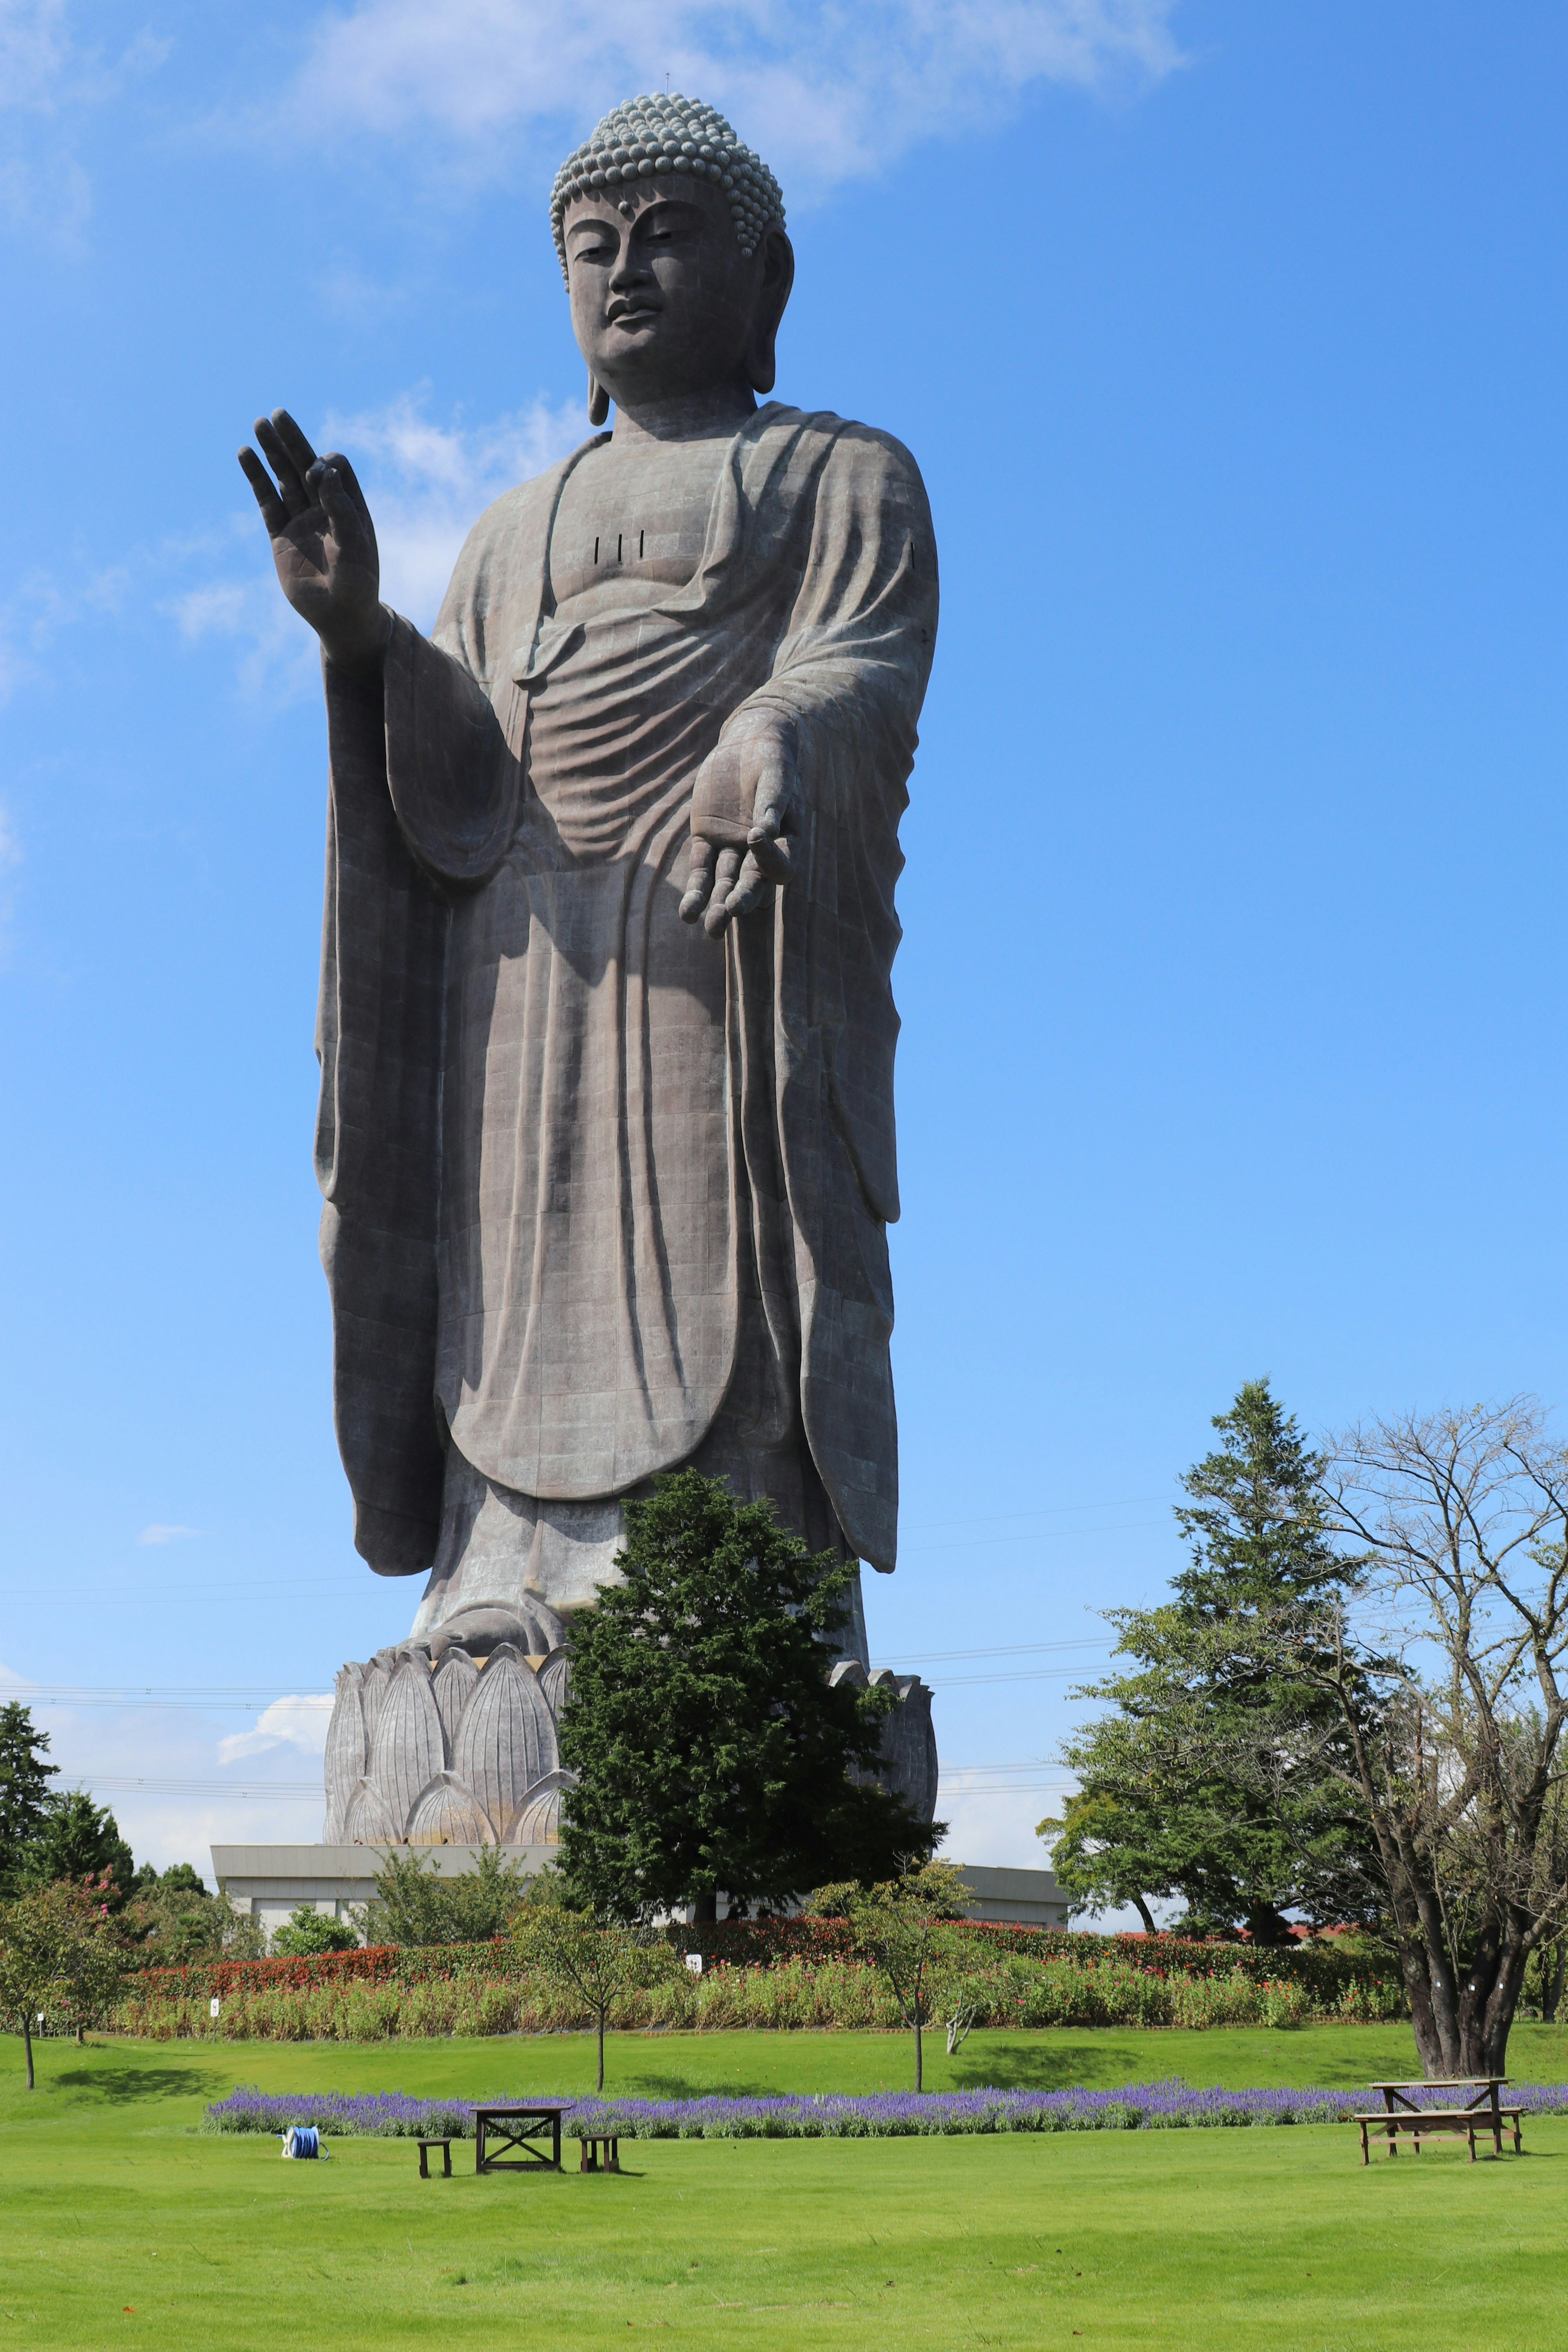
(581,1162)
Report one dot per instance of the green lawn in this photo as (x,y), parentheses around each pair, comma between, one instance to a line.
(1215,2239)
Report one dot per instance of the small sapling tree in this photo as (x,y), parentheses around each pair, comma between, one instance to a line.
(903,1925)
(596,1958)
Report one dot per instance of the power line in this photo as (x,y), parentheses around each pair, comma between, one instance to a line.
(292,1792)
(1040,1511)
(1015,1650)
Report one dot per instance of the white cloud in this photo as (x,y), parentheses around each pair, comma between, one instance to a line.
(826,93)
(49,82)
(35,50)
(298,1722)
(427,484)
(157,1533)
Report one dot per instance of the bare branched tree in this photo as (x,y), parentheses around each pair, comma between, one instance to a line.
(1454,1741)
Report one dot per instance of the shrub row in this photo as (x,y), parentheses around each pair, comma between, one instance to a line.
(1322,1971)
(792,1994)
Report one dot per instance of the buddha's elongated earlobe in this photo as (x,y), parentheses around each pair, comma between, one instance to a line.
(599,400)
(761,367)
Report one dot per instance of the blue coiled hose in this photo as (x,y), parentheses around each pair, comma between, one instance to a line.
(302,2139)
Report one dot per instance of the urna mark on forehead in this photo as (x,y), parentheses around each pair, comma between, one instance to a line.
(665,139)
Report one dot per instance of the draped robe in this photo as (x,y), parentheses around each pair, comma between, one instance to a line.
(603,1195)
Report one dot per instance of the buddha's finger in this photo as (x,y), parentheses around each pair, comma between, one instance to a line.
(718,914)
(274,513)
(346,475)
(290,481)
(346,516)
(294,441)
(699,879)
(769,851)
(751,887)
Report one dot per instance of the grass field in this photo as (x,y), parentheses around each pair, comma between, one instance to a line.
(1210,2239)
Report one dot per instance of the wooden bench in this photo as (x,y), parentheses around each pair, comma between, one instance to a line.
(591,2145)
(1483,2112)
(425,2148)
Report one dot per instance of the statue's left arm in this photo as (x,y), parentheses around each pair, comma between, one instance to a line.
(845,695)
(841,704)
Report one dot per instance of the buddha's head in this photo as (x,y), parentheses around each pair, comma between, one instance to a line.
(671,238)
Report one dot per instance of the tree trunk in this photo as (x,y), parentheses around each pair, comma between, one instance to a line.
(27,2046)
(1490,1996)
(1553,1967)
(919,2070)
(705,1908)
(1145,1914)
(600,2083)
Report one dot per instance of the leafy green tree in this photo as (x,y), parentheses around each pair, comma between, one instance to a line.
(904,1928)
(711,1752)
(1213,1779)
(594,1958)
(60,1955)
(413,1905)
(25,1792)
(78,1840)
(27,1972)
(172,1918)
(307,1931)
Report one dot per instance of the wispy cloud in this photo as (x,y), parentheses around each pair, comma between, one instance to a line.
(51,80)
(427,484)
(288,1723)
(157,1533)
(826,93)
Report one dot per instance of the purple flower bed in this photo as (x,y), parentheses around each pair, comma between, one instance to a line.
(887,2115)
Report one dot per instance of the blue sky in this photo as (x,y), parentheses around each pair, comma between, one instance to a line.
(1230,341)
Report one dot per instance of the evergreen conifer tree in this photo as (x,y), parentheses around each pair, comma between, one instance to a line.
(1209,1781)
(712,1754)
(24,1794)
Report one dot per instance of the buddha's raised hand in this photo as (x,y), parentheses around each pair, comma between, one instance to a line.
(742,811)
(323,541)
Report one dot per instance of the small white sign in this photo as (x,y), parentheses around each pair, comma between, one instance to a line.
(213,2005)
(694,1962)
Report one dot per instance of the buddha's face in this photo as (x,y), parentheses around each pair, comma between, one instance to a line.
(663,300)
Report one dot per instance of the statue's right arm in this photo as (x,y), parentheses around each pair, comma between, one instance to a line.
(323,543)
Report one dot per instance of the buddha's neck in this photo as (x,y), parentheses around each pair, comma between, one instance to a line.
(706,415)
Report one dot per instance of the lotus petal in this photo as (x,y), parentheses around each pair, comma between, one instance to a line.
(850,1670)
(346,1751)
(538,1822)
(908,1748)
(506,1740)
(556,1681)
(407,1750)
(447,1813)
(455,1679)
(373,1690)
(366,1820)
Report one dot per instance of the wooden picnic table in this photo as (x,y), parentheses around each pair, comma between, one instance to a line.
(1404,2112)
(516,2129)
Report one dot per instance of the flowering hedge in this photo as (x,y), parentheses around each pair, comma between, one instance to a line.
(1321,1969)
(1140,2106)
(1002,1990)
